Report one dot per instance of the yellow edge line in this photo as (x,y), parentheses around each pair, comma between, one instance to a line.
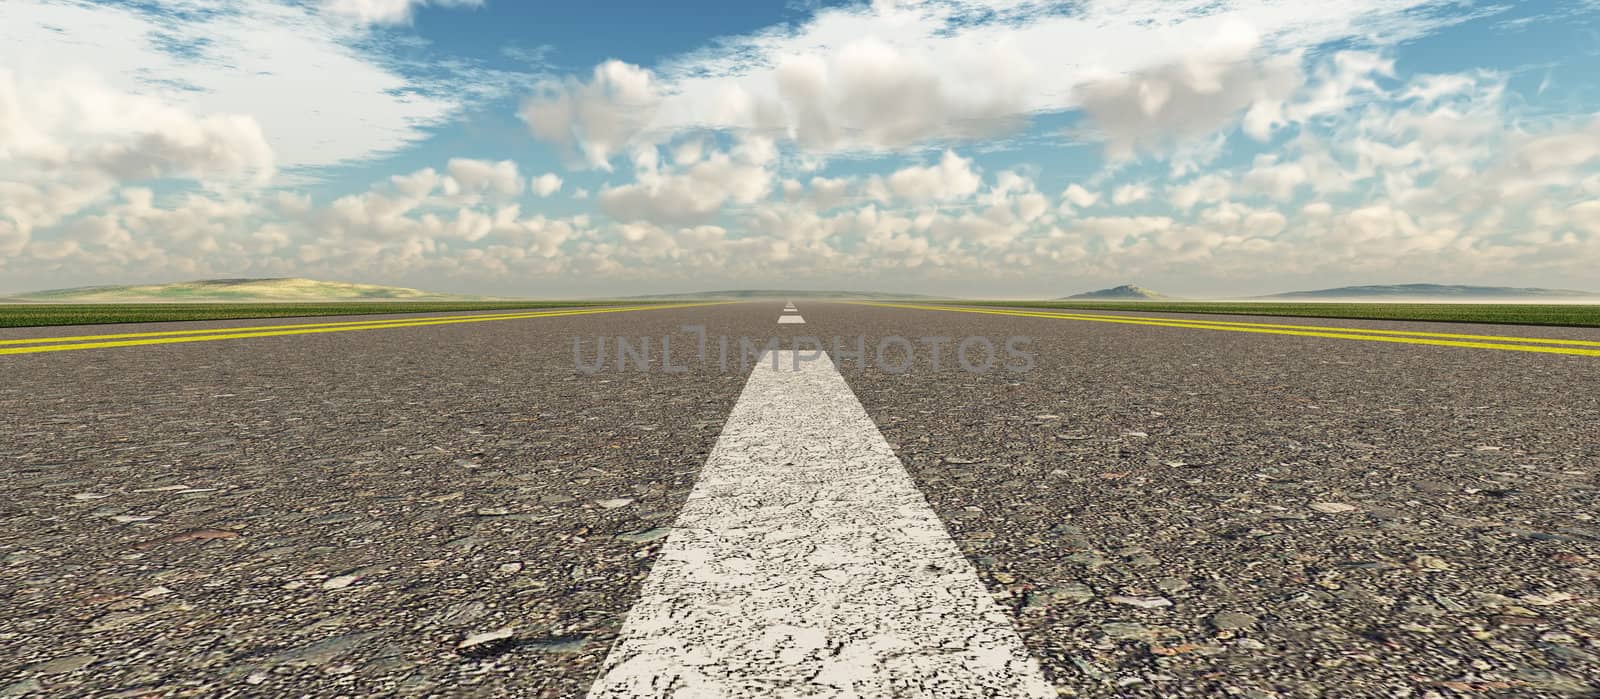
(252,328)
(1263,330)
(1362,331)
(310,331)
(1318,328)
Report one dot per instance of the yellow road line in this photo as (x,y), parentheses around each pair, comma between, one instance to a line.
(227,334)
(213,331)
(1327,328)
(1268,329)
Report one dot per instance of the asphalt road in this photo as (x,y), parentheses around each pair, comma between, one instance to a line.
(455,510)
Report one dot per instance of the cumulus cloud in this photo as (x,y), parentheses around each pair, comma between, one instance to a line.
(79,123)
(951,179)
(1130,193)
(547,184)
(1205,188)
(694,194)
(471,176)
(598,118)
(872,95)
(1227,82)
(856,79)
(1364,170)
(821,193)
(66,144)
(1076,196)
(266,60)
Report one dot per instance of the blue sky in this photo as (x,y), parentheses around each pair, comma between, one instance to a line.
(1009,148)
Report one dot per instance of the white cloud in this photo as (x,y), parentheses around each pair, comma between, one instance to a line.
(1377,174)
(79,124)
(1264,223)
(473,176)
(1130,193)
(317,100)
(858,79)
(387,11)
(695,194)
(1561,150)
(1275,179)
(951,179)
(1205,188)
(547,184)
(599,117)
(1339,82)
(829,192)
(821,193)
(1153,108)
(1586,215)
(871,95)
(67,144)
(1077,196)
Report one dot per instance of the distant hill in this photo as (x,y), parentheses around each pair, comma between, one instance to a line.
(1126,292)
(211,290)
(783,293)
(1437,292)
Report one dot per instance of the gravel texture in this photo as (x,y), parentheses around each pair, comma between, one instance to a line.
(1174,512)
(439,511)
(455,511)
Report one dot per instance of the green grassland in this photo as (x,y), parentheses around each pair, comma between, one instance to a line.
(19,315)
(22,315)
(1580,315)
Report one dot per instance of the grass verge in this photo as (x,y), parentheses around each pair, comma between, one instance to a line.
(1574,315)
(27,315)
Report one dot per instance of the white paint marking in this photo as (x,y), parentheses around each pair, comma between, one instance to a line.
(805,563)
(785,320)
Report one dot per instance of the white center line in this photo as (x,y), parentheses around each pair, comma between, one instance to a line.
(783,320)
(805,563)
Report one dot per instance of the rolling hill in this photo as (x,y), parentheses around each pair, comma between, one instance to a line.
(1126,292)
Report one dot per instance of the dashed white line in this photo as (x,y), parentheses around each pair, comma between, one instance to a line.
(784,320)
(805,563)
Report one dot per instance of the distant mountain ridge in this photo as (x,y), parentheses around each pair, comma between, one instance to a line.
(1126,292)
(276,289)
(1432,291)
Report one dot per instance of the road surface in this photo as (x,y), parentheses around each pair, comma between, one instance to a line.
(1158,505)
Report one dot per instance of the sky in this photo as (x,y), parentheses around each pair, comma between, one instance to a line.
(1013,148)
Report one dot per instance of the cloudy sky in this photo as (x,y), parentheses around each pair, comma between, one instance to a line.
(1005,148)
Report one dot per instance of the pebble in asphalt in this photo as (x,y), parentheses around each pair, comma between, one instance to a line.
(1161,512)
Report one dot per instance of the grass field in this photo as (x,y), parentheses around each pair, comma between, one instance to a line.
(23,315)
(1503,313)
